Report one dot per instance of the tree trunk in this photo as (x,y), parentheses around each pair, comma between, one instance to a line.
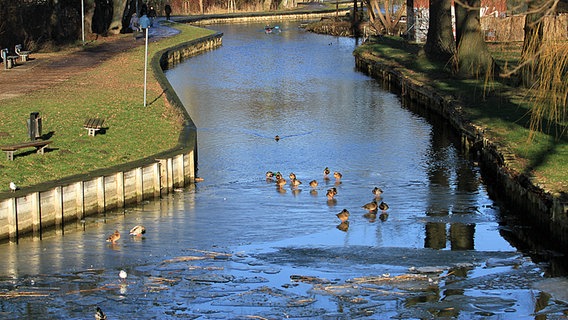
(440,44)
(533,41)
(472,55)
(460,12)
(267,5)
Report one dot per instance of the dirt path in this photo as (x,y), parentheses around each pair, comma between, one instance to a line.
(46,70)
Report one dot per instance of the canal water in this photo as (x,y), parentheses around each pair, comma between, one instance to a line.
(237,246)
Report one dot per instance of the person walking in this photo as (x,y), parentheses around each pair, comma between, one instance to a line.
(134,25)
(144,22)
(168,10)
(152,15)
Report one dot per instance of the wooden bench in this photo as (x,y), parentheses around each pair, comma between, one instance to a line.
(93,125)
(24,55)
(9,61)
(39,145)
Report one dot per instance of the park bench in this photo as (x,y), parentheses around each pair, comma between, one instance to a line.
(39,145)
(9,61)
(24,55)
(93,125)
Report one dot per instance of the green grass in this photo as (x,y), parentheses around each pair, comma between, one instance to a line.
(114,91)
(494,105)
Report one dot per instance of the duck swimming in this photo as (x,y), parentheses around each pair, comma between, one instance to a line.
(295,182)
(383,206)
(343,215)
(292,176)
(313,183)
(114,237)
(377,192)
(337,175)
(281,182)
(371,206)
(138,231)
(269,175)
(330,194)
(99,314)
(326,173)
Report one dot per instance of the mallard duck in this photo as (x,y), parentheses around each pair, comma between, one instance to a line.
(337,175)
(295,182)
(100,315)
(281,182)
(292,176)
(371,206)
(138,231)
(330,194)
(278,176)
(269,175)
(377,192)
(313,183)
(277,138)
(326,173)
(383,206)
(114,237)
(343,215)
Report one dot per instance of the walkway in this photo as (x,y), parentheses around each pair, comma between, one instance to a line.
(46,70)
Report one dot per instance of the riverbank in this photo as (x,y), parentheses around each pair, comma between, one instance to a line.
(68,86)
(492,119)
(104,79)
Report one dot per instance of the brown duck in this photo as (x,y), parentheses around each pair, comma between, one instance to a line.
(114,237)
(343,215)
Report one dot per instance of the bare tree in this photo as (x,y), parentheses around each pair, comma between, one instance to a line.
(385,14)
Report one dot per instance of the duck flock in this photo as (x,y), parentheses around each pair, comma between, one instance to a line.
(372,208)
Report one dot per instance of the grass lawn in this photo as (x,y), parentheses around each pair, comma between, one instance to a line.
(113,90)
(501,109)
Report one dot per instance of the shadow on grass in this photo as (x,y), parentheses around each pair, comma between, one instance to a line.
(502,109)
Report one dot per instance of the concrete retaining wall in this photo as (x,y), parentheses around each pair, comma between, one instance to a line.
(548,212)
(53,207)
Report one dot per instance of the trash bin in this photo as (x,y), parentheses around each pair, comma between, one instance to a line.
(34,126)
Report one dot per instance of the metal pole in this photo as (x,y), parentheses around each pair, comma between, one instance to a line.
(83,19)
(145,65)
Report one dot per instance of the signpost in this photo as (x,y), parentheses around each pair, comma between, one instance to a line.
(83,19)
(145,24)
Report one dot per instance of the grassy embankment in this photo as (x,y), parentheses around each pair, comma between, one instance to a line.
(501,109)
(113,90)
